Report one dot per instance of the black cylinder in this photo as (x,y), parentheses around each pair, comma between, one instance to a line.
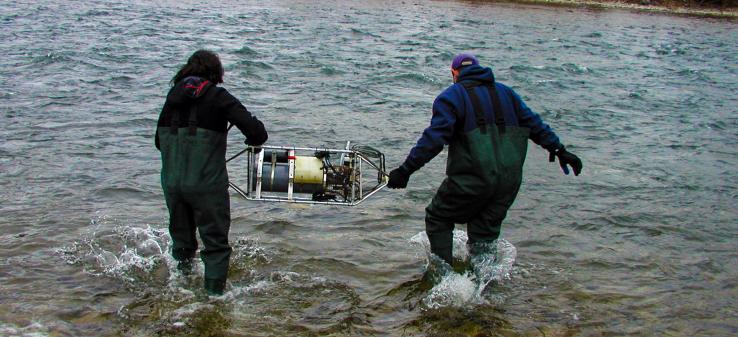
(280,180)
(281,156)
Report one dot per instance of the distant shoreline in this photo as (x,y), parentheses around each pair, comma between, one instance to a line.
(714,12)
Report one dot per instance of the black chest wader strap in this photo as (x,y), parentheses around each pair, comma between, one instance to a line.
(476,106)
(192,123)
(174,123)
(497,106)
(479,111)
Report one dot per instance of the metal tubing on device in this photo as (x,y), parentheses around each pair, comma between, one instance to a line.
(291,161)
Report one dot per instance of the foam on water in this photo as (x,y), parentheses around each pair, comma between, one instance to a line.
(493,264)
(31,330)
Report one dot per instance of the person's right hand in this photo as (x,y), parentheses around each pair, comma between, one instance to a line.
(398,178)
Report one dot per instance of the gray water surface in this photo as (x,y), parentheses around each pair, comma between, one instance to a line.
(642,243)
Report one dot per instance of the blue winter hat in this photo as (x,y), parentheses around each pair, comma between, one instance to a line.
(463,60)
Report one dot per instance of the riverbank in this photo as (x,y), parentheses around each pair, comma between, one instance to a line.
(729,10)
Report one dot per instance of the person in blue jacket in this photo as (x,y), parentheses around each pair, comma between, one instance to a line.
(487,127)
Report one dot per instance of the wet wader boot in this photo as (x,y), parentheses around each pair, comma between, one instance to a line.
(195,184)
(484,172)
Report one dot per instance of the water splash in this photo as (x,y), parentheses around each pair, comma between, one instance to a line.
(140,257)
(248,251)
(487,263)
(124,252)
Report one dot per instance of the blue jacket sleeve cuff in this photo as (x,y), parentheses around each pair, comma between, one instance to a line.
(554,147)
(407,168)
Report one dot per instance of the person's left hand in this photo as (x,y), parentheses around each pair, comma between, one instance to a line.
(567,158)
(398,178)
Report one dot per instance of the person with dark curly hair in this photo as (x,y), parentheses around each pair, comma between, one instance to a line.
(191,136)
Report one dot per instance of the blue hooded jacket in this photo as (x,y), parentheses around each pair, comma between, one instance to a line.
(453,112)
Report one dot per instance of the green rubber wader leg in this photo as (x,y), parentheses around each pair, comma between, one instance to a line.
(182,227)
(213,218)
(484,174)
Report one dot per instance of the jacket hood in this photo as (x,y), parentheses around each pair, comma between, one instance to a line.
(190,88)
(476,73)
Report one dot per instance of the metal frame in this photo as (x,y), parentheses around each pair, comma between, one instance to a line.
(356,161)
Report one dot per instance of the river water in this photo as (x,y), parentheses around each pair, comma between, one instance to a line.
(643,243)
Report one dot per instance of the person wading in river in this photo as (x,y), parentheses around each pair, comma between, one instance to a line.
(191,136)
(487,127)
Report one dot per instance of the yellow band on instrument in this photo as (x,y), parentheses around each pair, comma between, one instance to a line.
(308,170)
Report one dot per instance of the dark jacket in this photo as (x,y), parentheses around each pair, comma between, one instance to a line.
(216,107)
(453,112)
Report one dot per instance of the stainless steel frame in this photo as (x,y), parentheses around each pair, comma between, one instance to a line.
(356,160)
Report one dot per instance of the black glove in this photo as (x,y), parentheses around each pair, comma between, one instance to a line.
(398,178)
(566,158)
(257,150)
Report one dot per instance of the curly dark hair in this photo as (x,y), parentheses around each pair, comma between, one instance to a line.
(202,63)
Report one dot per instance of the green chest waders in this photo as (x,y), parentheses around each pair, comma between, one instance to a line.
(195,183)
(484,172)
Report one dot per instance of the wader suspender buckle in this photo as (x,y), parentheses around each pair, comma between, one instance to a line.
(477,106)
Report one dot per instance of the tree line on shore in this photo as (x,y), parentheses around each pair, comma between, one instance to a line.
(717,4)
